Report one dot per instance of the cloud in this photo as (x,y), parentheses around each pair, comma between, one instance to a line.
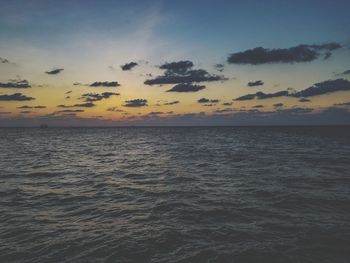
(31,107)
(301,53)
(4,112)
(69,111)
(104,84)
(115,109)
(182,72)
(321,88)
(135,103)
(219,67)
(227,103)
(91,97)
(258,106)
(15,97)
(277,105)
(16,84)
(304,100)
(342,104)
(82,105)
(346,72)
(324,87)
(54,71)
(25,112)
(172,102)
(261,95)
(68,92)
(205,100)
(129,66)
(4,60)
(186,87)
(255,83)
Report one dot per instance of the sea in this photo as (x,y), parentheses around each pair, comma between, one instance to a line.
(175,194)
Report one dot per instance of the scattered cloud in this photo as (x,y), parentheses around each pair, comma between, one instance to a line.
(325,87)
(205,100)
(81,105)
(172,102)
(135,103)
(69,111)
(219,67)
(91,97)
(4,60)
(186,87)
(15,84)
(342,104)
(104,84)
(15,97)
(129,66)
(261,95)
(278,105)
(301,53)
(31,107)
(346,72)
(115,109)
(255,83)
(304,100)
(54,71)
(181,72)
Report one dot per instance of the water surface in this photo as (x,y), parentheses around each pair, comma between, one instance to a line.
(225,194)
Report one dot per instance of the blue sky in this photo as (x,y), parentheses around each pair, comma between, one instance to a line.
(91,39)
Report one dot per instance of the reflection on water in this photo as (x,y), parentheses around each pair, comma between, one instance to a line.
(254,194)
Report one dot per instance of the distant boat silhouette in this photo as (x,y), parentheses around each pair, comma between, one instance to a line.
(44,126)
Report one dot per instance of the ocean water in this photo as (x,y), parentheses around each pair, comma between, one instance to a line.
(216,194)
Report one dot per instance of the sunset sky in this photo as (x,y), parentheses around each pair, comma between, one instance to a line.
(174,62)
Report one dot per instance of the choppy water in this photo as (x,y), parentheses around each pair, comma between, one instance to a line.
(175,194)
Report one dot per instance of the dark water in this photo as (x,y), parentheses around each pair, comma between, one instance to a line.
(175,194)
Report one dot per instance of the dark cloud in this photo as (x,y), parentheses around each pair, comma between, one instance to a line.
(135,103)
(342,104)
(69,111)
(277,105)
(182,72)
(129,66)
(301,53)
(346,72)
(261,95)
(54,71)
(205,100)
(172,102)
(105,84)
(219,67)
(304,100)
(31,107)
(223,110)
(186,87)
(115,109)
(25,112)
(325,87)
(81,105)
(227,103)
(15,97)
(258,106)
(16,84)
(255,83)
(91,97)
(68,92)
(4,61)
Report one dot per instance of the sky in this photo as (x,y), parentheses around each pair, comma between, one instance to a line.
(163,62)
